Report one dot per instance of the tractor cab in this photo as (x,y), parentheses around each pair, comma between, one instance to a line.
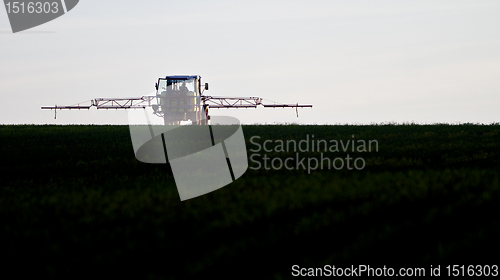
(179,99)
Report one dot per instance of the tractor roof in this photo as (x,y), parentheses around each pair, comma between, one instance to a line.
(182,77)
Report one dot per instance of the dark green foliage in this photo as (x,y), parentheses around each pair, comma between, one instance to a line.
(74,202)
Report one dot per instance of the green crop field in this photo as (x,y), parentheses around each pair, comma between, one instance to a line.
(75,203)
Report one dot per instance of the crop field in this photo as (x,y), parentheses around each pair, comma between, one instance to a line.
(75,203)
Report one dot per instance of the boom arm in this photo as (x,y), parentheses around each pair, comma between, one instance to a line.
(243,102)
(111,103)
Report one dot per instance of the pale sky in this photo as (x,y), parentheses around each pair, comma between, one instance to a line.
(356,62)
